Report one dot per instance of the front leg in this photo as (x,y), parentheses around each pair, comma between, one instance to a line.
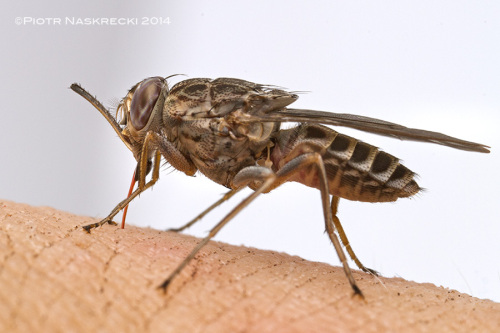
(160,142)
(157,145)
(124,203)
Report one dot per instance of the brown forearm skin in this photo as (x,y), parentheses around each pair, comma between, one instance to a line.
(56,277)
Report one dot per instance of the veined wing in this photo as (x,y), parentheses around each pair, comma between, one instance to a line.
(251,102)
(366,124)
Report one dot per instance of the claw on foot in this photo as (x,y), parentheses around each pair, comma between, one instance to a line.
(174,229)
(91,226)
(371,271)
(164,285)
(358,292)
(87,228)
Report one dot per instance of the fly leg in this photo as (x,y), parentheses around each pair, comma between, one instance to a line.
(315,159)
(156,145)
(246,175)
(267,181)
(124,203)
(224,198)
(343,238)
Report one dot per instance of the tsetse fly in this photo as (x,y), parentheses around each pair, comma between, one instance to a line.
(229,130)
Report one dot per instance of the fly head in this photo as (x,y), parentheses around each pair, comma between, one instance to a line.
(140,111)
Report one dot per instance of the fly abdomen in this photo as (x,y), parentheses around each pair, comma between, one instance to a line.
(356,170)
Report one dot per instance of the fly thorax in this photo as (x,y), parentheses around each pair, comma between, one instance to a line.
(258,134)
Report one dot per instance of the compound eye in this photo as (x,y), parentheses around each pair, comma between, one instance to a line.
(144,100)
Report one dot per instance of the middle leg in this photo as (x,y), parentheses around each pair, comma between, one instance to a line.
(224,198)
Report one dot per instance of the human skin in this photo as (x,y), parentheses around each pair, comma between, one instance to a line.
(55,277)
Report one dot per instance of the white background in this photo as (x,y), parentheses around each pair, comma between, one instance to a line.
(424,64)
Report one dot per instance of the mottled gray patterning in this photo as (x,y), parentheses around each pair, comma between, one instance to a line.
(229,130)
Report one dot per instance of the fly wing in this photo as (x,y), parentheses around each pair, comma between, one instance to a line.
(250,102)
(366,124)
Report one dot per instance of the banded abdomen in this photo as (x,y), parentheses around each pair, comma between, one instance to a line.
(355,170)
